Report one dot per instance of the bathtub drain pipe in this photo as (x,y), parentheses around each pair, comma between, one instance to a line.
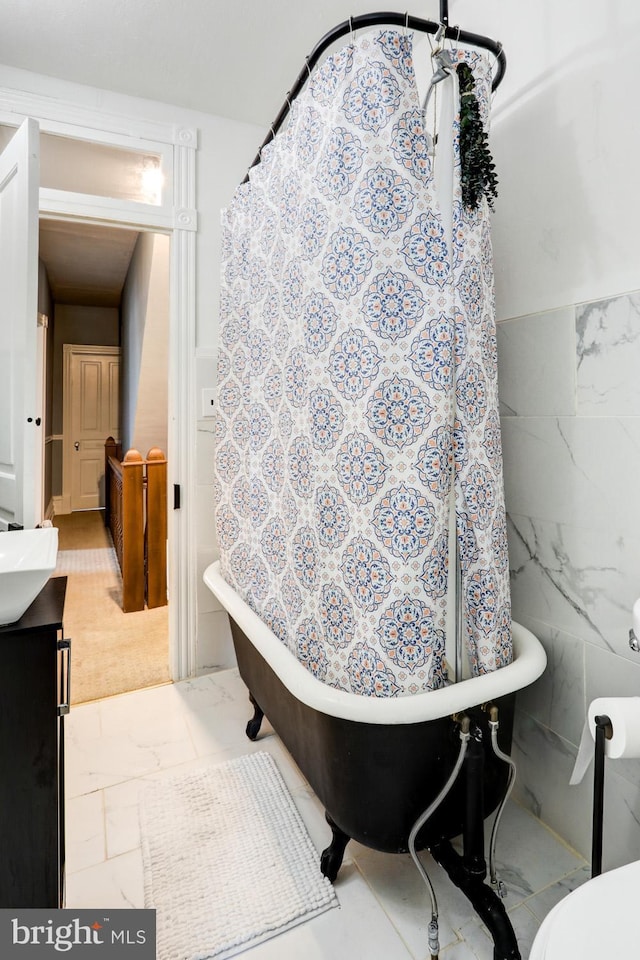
(487,905)
(434,945)
(468,871)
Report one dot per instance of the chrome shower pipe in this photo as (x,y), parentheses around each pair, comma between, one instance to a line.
(494,726)
(459,614)
(434,945)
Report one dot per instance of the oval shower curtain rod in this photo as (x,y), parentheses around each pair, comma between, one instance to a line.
(372,20)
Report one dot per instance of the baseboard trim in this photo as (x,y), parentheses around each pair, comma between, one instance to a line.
(61,505)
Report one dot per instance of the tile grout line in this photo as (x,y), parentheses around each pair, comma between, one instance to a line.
(375,896)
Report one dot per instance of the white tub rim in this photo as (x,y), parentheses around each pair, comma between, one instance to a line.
(528,664)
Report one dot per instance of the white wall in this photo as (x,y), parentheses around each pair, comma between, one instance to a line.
(144,313)
(565,141)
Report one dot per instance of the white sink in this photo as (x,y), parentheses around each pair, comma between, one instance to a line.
(27,560)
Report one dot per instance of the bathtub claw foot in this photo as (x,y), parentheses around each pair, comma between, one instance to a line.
(253,727)
(331,859)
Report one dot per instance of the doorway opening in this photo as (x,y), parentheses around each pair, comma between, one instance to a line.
(105,293)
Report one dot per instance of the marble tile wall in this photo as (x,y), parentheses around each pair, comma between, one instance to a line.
(570,406)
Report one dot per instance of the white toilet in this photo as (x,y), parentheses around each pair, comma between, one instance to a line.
(599,919)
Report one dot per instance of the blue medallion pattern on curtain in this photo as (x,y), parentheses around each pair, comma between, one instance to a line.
(357,387)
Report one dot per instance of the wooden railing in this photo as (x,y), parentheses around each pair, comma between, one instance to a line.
(155,531)
(136,514)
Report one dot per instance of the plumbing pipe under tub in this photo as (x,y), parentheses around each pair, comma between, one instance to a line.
(434,944)
(487,905)
(468,871)
(494,727)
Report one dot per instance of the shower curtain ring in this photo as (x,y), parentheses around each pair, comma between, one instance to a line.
(306,60)
(453,44)
(353,36)
(406,22)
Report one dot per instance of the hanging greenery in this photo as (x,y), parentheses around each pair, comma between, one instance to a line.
(478,169)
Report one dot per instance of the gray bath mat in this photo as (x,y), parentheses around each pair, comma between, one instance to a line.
(228,861)
(96,560)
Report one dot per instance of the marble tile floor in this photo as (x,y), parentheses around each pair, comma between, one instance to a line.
(114,745)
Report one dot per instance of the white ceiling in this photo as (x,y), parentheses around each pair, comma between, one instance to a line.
(234,58)
(86,264)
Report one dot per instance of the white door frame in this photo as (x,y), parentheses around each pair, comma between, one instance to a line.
(41,405)
(71,350)
(177,216)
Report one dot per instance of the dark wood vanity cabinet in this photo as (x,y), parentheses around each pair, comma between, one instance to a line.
(34,698)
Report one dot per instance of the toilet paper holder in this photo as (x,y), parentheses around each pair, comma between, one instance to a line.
(634,633)
(603,731)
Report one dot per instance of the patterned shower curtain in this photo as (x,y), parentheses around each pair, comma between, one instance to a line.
(357,387)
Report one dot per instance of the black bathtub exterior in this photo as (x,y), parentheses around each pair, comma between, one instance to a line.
(375,780)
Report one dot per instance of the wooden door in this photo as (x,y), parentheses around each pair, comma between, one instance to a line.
(94,417)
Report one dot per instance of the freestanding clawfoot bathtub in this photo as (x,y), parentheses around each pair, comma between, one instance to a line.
(377,764)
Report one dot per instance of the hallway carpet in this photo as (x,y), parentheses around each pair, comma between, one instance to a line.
(112,652)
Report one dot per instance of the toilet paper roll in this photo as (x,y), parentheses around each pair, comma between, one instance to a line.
(624,713)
